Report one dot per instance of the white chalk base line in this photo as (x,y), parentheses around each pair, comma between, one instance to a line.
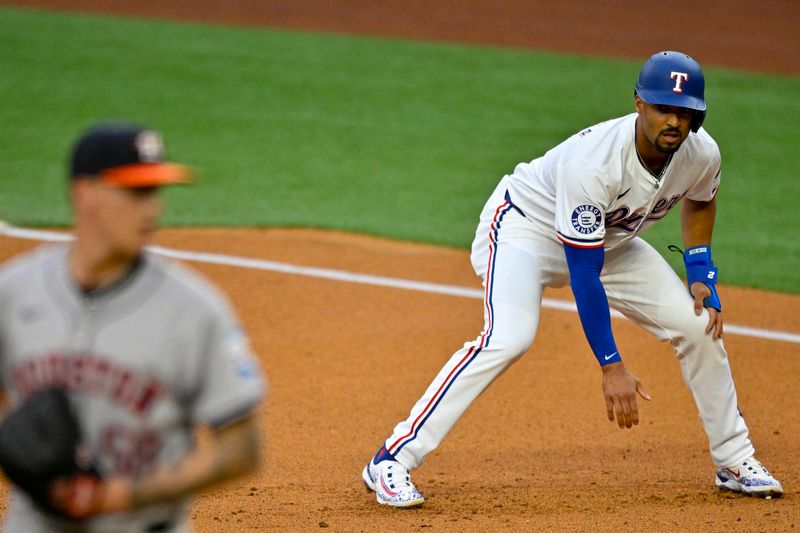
(366,279)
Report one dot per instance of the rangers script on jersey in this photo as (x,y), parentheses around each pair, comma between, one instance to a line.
(593,190)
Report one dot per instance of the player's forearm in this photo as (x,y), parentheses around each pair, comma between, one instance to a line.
(590,297)
(231,452)
(697,221)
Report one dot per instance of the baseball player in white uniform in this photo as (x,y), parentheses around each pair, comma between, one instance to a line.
(574,216)
(147,350)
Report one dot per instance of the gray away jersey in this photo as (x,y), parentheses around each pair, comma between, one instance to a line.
(143,361)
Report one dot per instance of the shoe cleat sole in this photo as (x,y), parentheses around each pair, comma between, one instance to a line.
(758,492)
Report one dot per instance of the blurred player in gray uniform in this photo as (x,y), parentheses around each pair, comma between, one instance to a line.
(150,353)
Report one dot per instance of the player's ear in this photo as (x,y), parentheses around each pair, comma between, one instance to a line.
(638,103)
(77,190)
(82,193)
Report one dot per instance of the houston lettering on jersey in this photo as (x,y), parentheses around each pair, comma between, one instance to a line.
(88,373)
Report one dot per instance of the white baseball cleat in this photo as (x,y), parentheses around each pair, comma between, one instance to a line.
(392,484)
(751,478)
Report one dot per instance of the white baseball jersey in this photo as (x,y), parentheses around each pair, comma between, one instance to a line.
(143,361)
(589,191)
(593,190)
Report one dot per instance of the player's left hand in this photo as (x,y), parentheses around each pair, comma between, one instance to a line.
(700,292)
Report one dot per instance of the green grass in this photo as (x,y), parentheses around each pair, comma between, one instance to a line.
(386,137)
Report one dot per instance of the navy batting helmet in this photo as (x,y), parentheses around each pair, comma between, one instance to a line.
(673,78)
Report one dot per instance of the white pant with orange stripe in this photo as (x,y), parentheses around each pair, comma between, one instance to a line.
(516,262)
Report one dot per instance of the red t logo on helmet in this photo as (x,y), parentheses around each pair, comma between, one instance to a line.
(679,78)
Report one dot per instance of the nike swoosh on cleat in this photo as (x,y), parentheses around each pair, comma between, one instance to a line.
(387,490)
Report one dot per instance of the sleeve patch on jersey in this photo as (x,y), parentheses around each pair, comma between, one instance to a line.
(586,219)
(237,348)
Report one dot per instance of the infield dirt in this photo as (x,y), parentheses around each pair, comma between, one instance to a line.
(535,452)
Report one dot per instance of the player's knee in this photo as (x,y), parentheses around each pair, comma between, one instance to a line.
(513,344)
(692,335)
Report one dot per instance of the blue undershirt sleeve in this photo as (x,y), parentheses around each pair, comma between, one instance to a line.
(585,265)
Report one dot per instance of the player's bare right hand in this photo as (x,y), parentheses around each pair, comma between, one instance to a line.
(83,496)
(620,388)
(76,496)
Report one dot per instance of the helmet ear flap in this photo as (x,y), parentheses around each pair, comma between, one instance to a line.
(697,121)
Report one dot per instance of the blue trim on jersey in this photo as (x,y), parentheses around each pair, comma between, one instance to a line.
(585,265)
(588,241)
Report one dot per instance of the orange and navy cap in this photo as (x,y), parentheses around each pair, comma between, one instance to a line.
(125,155)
